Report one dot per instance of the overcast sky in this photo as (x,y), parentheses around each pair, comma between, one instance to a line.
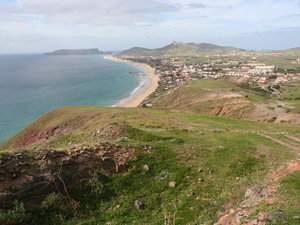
(46,25)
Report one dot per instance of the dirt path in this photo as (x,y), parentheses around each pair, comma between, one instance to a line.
(293,138)
(292,147)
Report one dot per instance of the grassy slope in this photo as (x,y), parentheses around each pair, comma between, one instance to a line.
(229,152)
(190,94)
(290,92)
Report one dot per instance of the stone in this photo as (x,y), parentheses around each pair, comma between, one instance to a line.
(190,194)
(200,170)
(146,167)
(296,217)
(172,184)
(139,205)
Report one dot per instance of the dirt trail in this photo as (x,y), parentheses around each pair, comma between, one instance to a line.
(292,147)
(293,138)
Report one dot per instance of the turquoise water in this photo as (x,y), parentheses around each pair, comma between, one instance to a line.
(31,85)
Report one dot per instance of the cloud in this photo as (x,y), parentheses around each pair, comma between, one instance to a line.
(92,12)
(198,5)
(149,23)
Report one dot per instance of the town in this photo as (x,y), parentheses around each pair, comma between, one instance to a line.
(258,74)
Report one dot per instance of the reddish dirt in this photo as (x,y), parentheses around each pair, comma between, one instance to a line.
(293,138)
(292,167)
(36,135)
(30,179)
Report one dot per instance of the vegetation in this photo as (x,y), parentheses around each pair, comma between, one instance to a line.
(12,216)
(212,160)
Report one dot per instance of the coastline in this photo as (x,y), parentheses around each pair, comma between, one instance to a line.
(140,95)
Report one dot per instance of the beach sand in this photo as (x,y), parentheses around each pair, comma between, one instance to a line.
(137,98)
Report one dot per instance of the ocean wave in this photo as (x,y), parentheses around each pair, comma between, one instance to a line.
(143,84)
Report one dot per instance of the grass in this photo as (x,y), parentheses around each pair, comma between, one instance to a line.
(285,211)
(178,162)
(290,191)
(290,93)
(212,159)
(208,96)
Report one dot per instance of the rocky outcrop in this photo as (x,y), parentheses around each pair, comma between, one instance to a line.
(30,179)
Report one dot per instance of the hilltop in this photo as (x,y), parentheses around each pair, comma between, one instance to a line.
(179,49)
(92,51)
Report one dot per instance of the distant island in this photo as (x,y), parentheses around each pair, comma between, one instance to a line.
(91,51)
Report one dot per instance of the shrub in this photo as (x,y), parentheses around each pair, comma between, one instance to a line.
(15,215)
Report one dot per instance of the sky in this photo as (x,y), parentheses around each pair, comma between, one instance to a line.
(29,26)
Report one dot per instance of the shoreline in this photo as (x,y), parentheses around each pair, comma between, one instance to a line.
(140,95)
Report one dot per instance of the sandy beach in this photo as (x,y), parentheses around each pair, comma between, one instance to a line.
(144,92)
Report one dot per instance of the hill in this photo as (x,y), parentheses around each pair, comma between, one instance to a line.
(230,99)
(179,49)
(292,50)
(97,165)
(92,51)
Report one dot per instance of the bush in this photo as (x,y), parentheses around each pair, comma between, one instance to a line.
(52,200)
(12,216)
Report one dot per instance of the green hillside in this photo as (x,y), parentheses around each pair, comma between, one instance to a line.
(187,168)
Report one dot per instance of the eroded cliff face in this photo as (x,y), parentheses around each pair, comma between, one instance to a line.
(29,179)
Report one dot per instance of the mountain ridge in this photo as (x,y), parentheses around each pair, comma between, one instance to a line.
(180,49)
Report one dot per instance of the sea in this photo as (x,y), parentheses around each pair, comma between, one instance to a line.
(33,84)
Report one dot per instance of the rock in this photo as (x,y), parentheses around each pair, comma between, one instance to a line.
(296,217)
(117,207)
(254,222)
(139,205)
(190,194)
(254,195)
(172,184)
(200,170)
(240,215)
(146,167)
